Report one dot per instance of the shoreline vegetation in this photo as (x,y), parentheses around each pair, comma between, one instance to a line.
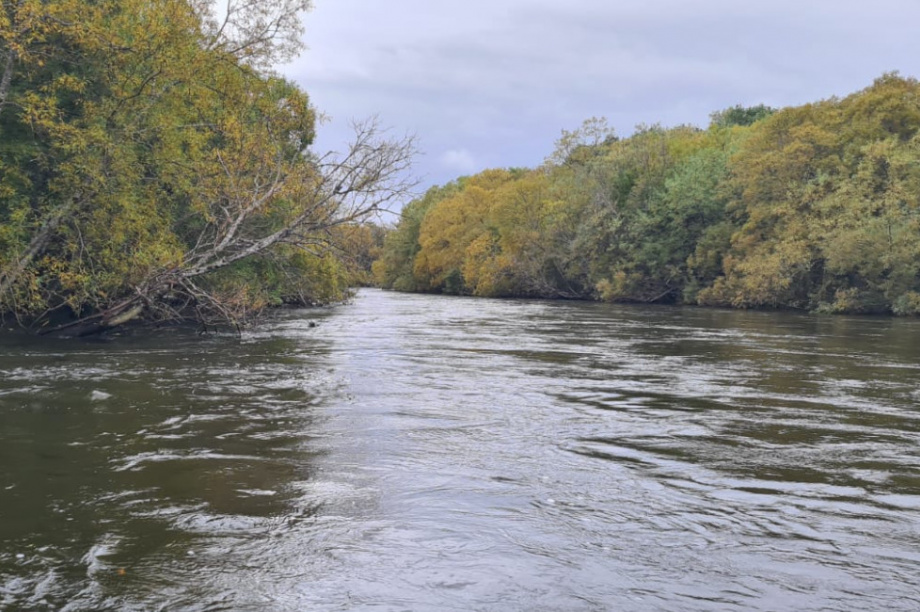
(812,208)
(154,167)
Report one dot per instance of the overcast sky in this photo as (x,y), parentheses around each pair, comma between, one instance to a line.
(492,83)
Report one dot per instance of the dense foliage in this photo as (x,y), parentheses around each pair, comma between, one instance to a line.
(814,207)
(152,164)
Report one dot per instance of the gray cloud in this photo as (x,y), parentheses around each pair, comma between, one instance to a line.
(459,161)
(493,83)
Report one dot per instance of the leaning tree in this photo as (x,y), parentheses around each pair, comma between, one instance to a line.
(153,165)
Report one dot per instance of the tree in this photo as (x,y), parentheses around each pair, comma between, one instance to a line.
(395,268)
(451,227)
(825,205)
(172,168)
(581,144)
(740,115)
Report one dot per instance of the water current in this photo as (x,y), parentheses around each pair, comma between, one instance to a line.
(409,452)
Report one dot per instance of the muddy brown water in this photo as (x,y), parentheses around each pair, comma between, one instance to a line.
(433,453)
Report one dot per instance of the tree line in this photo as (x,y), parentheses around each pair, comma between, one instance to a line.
(815,207)
(153,165)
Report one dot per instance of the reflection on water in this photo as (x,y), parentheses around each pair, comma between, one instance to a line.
(431,453)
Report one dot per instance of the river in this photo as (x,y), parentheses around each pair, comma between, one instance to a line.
(410,452)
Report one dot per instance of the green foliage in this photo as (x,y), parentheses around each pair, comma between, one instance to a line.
(740,115)
(395,268)
(827,205)
(149,158)
(814,207)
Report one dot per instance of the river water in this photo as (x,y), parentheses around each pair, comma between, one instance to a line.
(411,452)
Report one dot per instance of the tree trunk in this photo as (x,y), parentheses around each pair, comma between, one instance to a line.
(7,78)
(12,273)
(100,322)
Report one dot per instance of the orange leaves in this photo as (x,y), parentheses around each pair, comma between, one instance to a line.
(452,226)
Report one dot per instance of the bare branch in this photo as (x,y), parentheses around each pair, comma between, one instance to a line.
(373,173)
(260,33)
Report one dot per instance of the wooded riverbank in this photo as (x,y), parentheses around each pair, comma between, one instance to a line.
(155,166)
(811,208)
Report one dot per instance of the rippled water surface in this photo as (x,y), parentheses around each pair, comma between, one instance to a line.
(433,453)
